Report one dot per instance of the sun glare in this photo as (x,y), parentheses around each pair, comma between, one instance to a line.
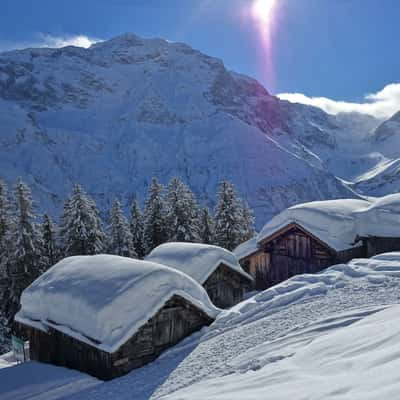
(263,9)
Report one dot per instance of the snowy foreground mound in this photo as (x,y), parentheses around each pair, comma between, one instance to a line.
(103,300)
(334,335)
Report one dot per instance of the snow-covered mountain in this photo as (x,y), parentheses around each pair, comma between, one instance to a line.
(112,116)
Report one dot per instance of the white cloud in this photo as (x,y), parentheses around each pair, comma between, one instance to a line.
(62,41)
(382,104)
(46,40)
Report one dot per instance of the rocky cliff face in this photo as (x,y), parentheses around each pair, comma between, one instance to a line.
(112,116)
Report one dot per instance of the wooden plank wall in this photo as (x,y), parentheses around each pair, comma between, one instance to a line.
(176,320)
(225,287)
(294,252)
(378,245)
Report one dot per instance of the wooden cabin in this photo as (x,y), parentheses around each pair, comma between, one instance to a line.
(293,250)
(216,269)
(123,317)
(310,237)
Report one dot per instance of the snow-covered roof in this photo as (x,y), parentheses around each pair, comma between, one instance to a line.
(331,221)
(381,218)
(338,222)
(195,259)
(246,248)
(103,299)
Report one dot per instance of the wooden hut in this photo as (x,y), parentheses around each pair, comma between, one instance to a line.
(309,237)
(216,269)
(105,315)
(303,239)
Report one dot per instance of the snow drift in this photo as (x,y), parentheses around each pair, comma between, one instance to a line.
(103,300)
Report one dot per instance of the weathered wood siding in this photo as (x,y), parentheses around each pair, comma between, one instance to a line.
(225,287)
(347,255)
(174,321)
(290,253)
(378,245)
(258,265)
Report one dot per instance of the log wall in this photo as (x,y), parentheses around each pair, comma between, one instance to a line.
(225,287)
(378,245)
(290,253)
(174,321)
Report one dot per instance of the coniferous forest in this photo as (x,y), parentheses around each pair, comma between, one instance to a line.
(30,242)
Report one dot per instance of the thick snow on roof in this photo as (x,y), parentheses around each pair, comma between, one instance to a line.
(104,299)
(332,221)
(381,218)
(246,248)
(197,260)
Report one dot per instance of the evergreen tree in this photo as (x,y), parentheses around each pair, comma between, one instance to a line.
(26,259)
(136,226)
(182,214)
(81,229)
(155,230)
(228,217)
(5,223)
(120,239)
(248,230)
(206,227)
(49,235)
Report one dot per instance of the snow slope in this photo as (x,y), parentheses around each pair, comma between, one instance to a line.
(197,260)
(336,358)
(305,330)
(96,299)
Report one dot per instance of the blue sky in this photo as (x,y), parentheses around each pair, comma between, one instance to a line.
(339,49)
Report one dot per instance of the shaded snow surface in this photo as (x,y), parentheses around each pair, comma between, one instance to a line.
(338,327)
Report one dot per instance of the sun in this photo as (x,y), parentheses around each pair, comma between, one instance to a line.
(263,9)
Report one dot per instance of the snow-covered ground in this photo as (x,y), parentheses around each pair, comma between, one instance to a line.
(334,335)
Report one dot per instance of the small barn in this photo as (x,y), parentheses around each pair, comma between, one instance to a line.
(216,269)
(106,315)
(309,237)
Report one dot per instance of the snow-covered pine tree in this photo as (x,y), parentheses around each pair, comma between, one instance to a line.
(228,218)
(81,228)
(49,236)
(248,230)
(155,230)
(206,226)
(136,226)
(182,213)
(5,224)
(120,239)
(26,260)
